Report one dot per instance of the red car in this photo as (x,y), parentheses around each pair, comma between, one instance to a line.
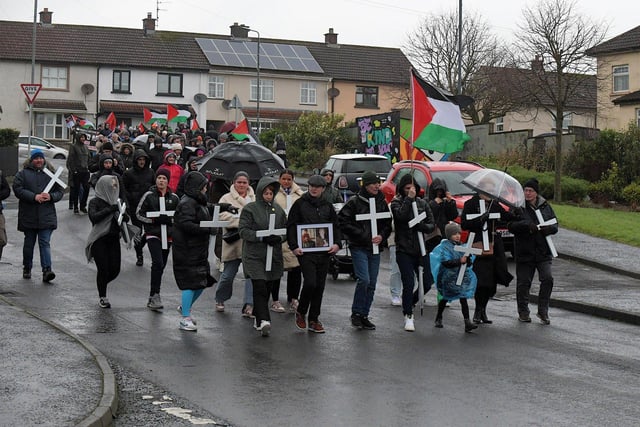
(452,173)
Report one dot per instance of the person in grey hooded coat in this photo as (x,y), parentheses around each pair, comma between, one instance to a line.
(253,218)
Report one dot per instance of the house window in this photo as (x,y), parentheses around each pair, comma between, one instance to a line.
(216,87)
(366,96)
(121,81)
(266,90)
(54,77)
(638,117)
(169,84)
(50,126)
(567,121)
(499,124)
(308,93)
(621,78)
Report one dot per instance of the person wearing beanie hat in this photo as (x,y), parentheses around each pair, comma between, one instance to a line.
(36,213)
(408,240)
(491,267)
(532,251)
(155,228)
(532,184)
(446,263)
(175,170)
(361,241)
(156,151)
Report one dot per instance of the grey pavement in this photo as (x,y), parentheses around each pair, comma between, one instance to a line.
(68,382)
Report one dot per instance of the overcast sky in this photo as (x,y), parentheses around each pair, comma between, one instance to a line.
(366,22)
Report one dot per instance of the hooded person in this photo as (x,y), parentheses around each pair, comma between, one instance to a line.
(103,243)
(106,167)
(408,246)
(176,171)
(331,194)
(78,167)
(156,151)
(136,181)
(191,246)
(256,217)
(127,154)
(444,210)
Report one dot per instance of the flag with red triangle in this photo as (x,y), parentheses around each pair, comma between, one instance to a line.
(178,113)
(194,125)
(243,132)
(152,116)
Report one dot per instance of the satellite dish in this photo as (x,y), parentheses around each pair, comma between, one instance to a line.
(87,88)
(333,92)
(200,98)
(226,104)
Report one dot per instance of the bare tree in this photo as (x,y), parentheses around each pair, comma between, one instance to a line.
(555,35)
(433,51)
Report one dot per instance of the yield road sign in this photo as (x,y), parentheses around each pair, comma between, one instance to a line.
(31,91)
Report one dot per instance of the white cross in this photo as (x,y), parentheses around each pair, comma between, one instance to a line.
(163,228)
(466,251)
(373,216)
(122,209)
(543,223)
(268,232)
(215,223)
(417,218)
(55,178)
(485,232)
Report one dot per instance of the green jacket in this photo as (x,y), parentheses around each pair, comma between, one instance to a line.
(255,217)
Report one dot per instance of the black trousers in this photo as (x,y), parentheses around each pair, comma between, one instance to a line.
(314,272)
(261,292)
(80,181)
(294,282)
(106,254)
(158,262)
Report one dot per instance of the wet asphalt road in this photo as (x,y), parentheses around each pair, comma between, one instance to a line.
(579,371)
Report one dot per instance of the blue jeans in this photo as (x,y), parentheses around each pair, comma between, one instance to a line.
(225,285)
(44,237)
(395,284)
(409,266)
(365,267)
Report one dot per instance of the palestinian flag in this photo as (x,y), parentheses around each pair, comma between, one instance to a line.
(194,125)
(437,122)
(243,132)
(83,123)
(111,120)
(178,113)
(152,116)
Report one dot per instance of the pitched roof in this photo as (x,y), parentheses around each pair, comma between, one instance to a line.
(78,44)
(630,98)
(629,41)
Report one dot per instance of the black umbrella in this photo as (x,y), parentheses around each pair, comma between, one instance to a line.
(230,157)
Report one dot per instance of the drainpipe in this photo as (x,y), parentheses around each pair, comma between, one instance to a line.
(97,94)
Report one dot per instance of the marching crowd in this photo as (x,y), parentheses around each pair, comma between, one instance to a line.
(146,194)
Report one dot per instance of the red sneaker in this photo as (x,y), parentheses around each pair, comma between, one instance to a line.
(300,322)
(316,327)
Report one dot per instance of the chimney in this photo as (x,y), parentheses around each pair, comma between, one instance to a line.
(45,17)
(149,25)
(331,37)
(239,31)
(537,65)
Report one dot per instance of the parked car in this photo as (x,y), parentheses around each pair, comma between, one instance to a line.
(50,151)
(452,173)
(348,168)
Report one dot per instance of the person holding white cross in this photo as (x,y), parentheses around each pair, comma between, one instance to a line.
(262,228)
(533,251)
(411,254)
(365,236)
(36,213)
(158,241)
(480,215)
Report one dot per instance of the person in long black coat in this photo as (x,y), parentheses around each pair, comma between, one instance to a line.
(191,246)
(136,181)
(491,269)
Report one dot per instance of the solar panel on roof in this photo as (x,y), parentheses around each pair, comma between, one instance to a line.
(273,56)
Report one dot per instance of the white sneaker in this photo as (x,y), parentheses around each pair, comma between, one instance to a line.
(186,324)
(408,323)
(264,328)
(396,301)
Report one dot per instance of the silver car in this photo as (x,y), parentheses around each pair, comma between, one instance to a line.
(50,151)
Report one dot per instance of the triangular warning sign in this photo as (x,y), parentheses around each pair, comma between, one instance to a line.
(31,91)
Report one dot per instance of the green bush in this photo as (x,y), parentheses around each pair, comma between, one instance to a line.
(631,194)
(9,137)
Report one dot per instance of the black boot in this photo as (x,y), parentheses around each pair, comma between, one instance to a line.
(26,273)
(484,318)
(477,316)
(48,275)
(469,325)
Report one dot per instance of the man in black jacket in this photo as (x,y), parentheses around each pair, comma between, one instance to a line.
(532,252)
(137,181)
(312,208)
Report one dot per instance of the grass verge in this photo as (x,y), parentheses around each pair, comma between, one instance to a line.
(619,226)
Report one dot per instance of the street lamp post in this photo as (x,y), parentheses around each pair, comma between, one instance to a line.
(258,82)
